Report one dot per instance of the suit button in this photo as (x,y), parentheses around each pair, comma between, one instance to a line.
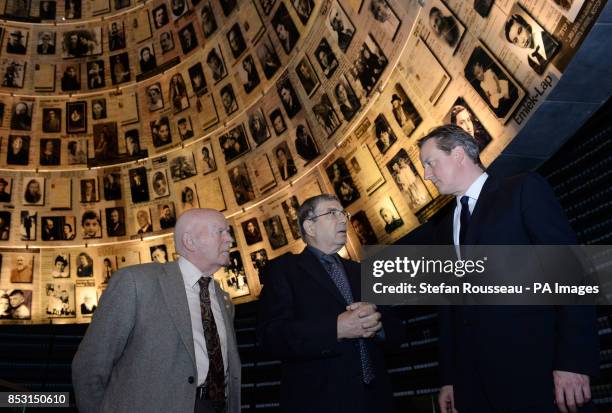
(190,379)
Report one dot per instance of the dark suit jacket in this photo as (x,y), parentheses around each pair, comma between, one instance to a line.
(297,323)
(511,351)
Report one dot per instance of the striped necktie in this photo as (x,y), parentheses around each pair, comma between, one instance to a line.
(216,372)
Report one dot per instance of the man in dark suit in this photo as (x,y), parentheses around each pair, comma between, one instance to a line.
(165,330)
(502,358)
(310,315)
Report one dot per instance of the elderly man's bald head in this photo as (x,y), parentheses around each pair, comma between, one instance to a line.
(202,236)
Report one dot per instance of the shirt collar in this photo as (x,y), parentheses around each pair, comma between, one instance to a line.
(191,274)
(321,256)
(473,192)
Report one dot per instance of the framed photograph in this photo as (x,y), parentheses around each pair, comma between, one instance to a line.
(185,129)
(388,21)
(160,132)
(463,116)
(99,7)
(443,25)
(234,279)
(326,58)
(276,232)
(112,186)
(77,152)
(44,77)
(370,64)
(214,198)
(155,98)
(89,190)
(159,254)
(408,181)
(46,43)
(21,116)
(105,140)
(235,40)
(291,207)
(61,265)
(21,299)
(307,76)
(389,217)
(326,115)
(82,43)
(17,41)
(178,93)
(167,215)
(147,61)
(305,144)
(179,8)
(188,38)
(426,72)
(120,68)
(98,109)
(5,225)
(52,120)
(346,98)
(18,152)
(267,56)
(216,65)
(91,224)
(259,259)
(363,228)
(189,198)
(247,72)
(160,16)
(182,167)
(28,225)
(258,126)
(59,300)
(278,122)
(251,231)
(13,72)
(141,25)
(198,81)
(208,20)
(303,9)
(342,181)
(133,149)
(143,221)
(47,9)
(228,99)
(84,265)
(95,74)
(365,169)
(404,111)
(267,6)
(115,222)
(71,77)
(288,97)
(493,83)
(51,228)
(17,8)
(568,8)
(86,300)
(50,152)
(138,185)
(528,40)
(286,31)
(385,137)
(208,158)
(166,41)
(6,188)
(234,143)
(241,184)
(262,173)
(341,27)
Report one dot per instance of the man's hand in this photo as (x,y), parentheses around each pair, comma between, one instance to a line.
(572,390)
(360,320)
(446,400)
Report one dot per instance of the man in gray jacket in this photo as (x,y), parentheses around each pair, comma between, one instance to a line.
(162,338)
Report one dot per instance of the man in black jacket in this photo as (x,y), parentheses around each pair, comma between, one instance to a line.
(502,358)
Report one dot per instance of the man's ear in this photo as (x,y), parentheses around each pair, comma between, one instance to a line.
(188,241)
(308,228)
(458,154)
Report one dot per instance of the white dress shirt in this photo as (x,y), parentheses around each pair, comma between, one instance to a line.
(191,275)
(473,192)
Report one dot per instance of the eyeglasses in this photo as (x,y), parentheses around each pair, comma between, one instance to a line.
(335,212)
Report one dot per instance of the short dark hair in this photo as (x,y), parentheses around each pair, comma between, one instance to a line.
(61,259)
(448,137)
(308,207)
(89,215)
(515,18)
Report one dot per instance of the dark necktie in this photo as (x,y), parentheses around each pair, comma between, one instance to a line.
(216,372)
(338,276)
(464,219)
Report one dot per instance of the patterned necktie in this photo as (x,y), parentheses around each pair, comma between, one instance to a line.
(216,371)
(464,219)
(338,276)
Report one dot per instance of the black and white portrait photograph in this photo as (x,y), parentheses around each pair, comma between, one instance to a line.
(34,191)
(342,181)
(267,56)
(61,266)
(28,225)
(370,64)
(13,72)
(89,190)
(241,184)
(228,99)
(390,218)
(17,41)
(189,198)
(71,77)
(143,221)
(248,74)
(159,183)
(6,188)
(284,161)
(111,185)
(305,144)
(528,40)
(159,254)
(216,65)
(167,215)
(177,90)
(288,97)
(251,231)
(184,127)
(160,132)
(258,126)
(77,152)
(133,149)
(182,167)
(208,158)
(115,221)
(86,299)
(147,61)
(278,122)
(385,16)
(259,259)
(95,74)
(208,19)
(234,143)
(116,36)
(363,228)
(18,305)
(59,300)
(493,83)
(84,264)
(5,225)
(404,111)
(291,207)
(276,232)
(385,137)
(98,109)
(326,115)
(285,29)
(188,38)
(346,98)
(198,81)
(340,26)
(47,10)
(303,9)
(234,278)
(81,43)
(21,116)
(52,120)
(72,9)
(166,41)
(408,181)
(462,115)
(160,16)
(46,43)
(178,8)
(443,24)
(235,40)
(139,188)
(50,150)
(307,76)
(18,152)
(155,98)
(105,138)
(17,8)
(109,266)
(120,68)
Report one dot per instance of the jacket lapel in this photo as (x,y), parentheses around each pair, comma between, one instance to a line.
(173,290)
(310,265)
